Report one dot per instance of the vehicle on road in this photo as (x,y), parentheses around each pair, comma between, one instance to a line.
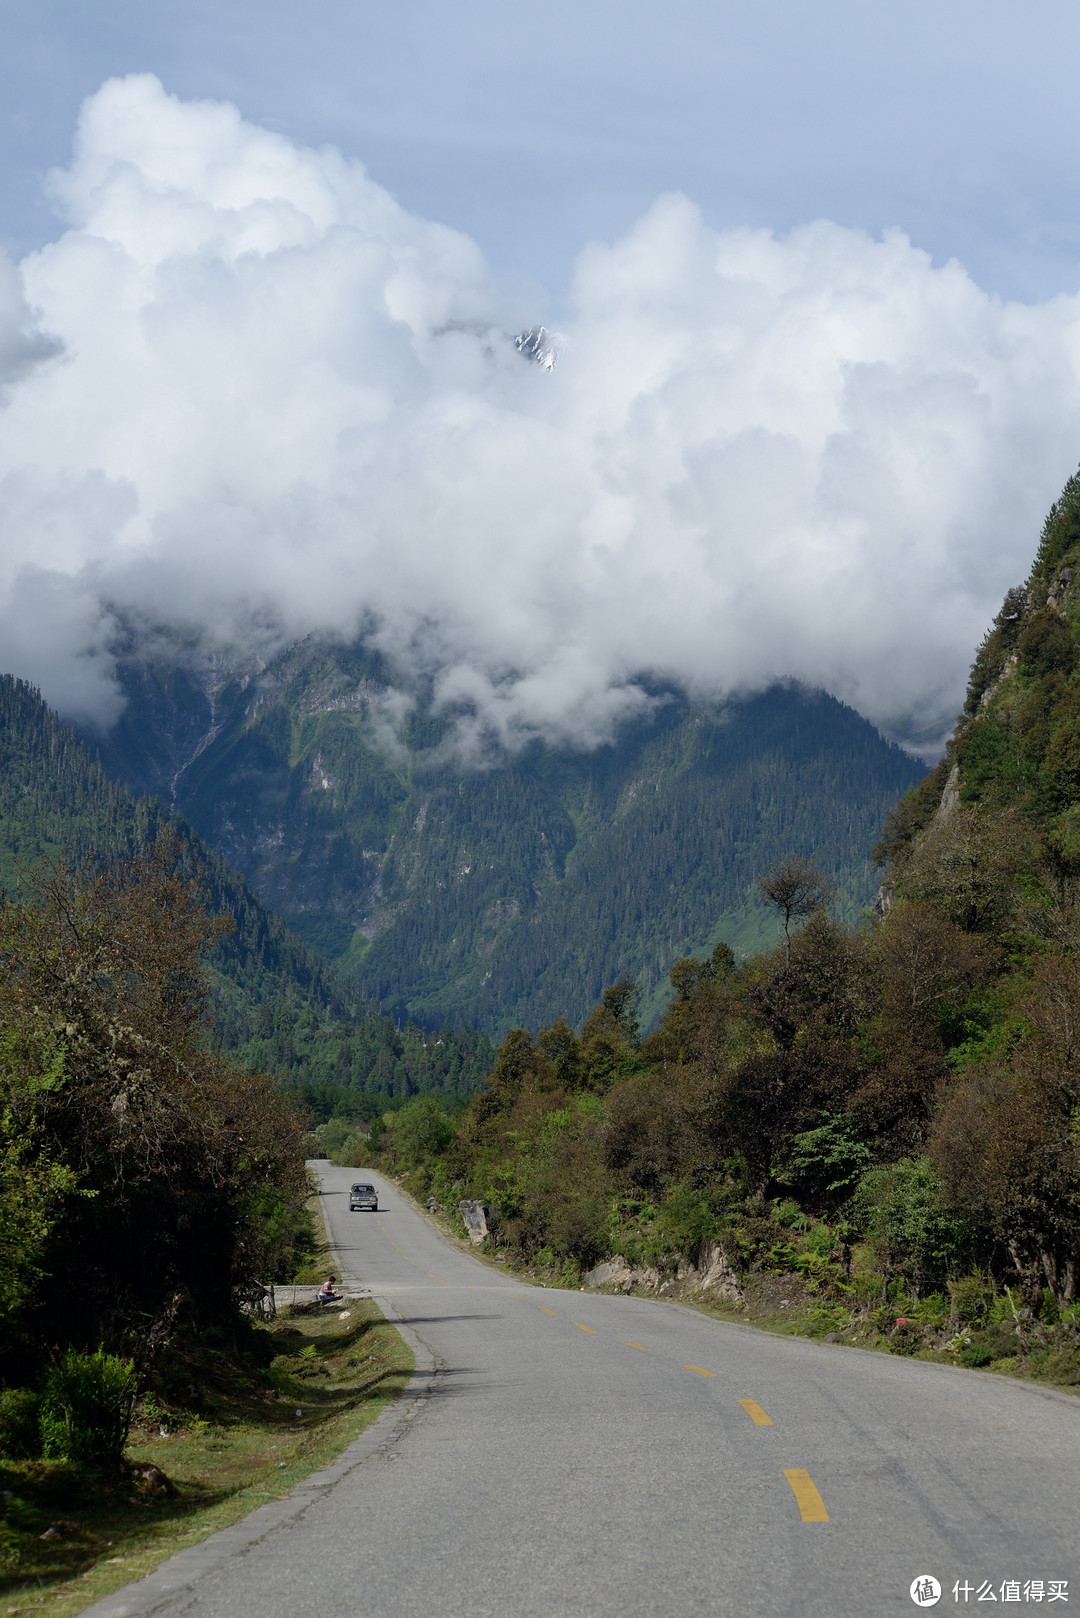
(363,1198)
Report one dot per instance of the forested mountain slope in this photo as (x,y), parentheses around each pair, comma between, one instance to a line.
(511,893)
(873,1127)
(276,1001)
(1016,749)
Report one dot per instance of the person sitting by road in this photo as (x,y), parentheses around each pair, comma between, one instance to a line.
(327,1293)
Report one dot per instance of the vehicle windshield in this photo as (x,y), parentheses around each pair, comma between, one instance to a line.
(363,1188)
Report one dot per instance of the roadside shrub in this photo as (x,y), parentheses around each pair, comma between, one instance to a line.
(685,1220)
(975,1356)
(1002,1341)
(20,1434)
(417,1131)
(1061,1364)
(899,1210)
(86,1410)
(972,1298)
(828,1317)
(827,1163)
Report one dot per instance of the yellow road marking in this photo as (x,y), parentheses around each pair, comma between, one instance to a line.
(811,1505)
(520,1296)
(699,1370)
(442,1283)
(641,1346)
(755,1412)
(544,1311)
(580,1327)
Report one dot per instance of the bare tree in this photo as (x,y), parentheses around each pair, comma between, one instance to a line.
(796,889)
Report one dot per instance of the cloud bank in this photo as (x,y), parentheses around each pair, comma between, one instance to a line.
(246,392)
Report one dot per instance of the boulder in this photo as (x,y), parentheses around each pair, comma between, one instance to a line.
(150,1479)
(617,1272)
(613,1272)
(475,1222)
(717,1274)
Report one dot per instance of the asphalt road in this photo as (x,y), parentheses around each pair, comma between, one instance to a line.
(590,1455)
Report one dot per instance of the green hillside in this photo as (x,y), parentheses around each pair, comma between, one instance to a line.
(514,893)
(276,1002)
(1015,753)
(867,1133)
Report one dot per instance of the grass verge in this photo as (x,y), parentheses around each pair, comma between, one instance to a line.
(315,1269)
(252,1424)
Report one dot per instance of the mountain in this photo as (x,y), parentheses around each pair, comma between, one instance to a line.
(884,1117)
(1015,753)
(276,1002)
(512,893)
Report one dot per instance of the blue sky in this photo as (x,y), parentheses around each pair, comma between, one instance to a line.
(536,128)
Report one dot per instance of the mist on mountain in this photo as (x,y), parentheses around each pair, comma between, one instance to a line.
(508,894)
(251,398)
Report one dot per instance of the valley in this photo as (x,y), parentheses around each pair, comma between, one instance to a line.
(501,890)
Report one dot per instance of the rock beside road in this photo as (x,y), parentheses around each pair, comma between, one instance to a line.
(711,1273)
(475,1221)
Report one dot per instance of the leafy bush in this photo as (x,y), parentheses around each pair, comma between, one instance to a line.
(685,1219)
(1061,1364)
(86,1409)
(1002,1341)
(975,1356)
(899,1209)
(826,1162)
(419,1130)
(972,1298)
(20,1434)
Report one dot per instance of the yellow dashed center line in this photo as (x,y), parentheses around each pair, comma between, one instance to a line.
(811,1505)
(807,1498)
(755,1412)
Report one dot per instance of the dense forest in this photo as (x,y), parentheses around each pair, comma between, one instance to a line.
(868,1131)
(275,1003)
(146,1180)
(511,888)
(164,1044)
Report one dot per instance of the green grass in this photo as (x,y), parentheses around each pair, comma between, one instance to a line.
(241,1446)
(314,1270)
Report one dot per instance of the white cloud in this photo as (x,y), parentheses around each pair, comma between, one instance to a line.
(281,400)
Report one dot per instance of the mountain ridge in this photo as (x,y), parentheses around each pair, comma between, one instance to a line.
(510,892)
(276,1002)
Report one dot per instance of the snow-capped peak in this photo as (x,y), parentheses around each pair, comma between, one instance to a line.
(541,346)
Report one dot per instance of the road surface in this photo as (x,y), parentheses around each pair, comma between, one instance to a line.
(588,1455)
